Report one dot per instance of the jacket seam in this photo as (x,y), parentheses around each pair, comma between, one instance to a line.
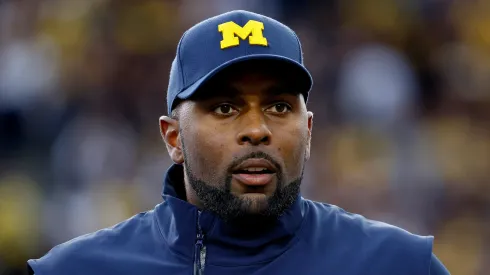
(165,240)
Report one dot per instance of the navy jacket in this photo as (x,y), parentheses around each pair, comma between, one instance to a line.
(176,238)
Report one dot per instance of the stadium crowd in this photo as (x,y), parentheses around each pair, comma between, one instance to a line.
(401,100)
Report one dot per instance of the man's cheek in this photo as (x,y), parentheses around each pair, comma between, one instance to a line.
(209,160)
(296,159)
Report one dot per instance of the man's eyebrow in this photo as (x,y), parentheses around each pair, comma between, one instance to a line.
(226,91)
(230,92)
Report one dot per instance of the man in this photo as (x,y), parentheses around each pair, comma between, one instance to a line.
(239,134)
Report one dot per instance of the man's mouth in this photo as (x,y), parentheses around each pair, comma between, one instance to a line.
(255,172)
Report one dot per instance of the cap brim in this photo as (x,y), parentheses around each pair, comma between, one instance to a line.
(303,77)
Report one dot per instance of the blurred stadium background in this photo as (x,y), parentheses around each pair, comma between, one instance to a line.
(401,102)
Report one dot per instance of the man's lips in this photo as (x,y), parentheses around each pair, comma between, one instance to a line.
(255,172)
(254,179)
(255,163)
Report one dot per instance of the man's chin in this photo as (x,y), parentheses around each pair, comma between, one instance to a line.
(254,203)
(254,214)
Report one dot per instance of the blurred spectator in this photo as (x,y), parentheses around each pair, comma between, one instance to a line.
(401,101)
(29,77)
(20,209)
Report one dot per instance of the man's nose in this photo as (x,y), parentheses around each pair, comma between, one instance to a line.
(255,130)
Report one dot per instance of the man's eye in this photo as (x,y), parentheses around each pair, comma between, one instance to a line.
(279,108)
(224,109)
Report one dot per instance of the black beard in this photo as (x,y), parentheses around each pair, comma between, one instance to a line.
(232,209)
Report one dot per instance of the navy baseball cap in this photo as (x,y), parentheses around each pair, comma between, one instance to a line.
(215,44)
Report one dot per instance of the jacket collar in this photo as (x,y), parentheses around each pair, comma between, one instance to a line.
(225,244)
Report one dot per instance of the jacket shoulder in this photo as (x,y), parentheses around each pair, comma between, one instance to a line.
(373,241)
(93,248)
(342,220)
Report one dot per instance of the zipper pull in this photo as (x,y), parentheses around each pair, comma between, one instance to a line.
(200,249)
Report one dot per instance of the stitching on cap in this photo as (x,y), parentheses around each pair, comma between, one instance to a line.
(242,46)
(180,62)
(300,49)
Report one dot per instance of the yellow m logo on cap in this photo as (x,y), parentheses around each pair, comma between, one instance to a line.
(231,32)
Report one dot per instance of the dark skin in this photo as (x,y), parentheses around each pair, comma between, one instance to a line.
(242,115)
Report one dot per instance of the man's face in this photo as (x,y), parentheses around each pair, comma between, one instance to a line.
(244,143)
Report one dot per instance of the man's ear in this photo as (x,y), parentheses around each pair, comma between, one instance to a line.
(310,128)
(169,129)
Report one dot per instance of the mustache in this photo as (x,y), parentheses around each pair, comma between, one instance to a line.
(255,155)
